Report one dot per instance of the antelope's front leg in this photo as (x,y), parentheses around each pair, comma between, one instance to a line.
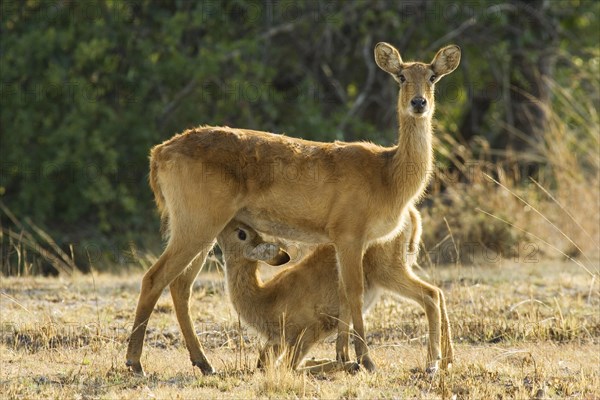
(341,343)
(350,256)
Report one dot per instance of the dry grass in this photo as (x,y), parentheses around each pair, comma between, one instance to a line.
(26,249)
(523,330)
(490,208)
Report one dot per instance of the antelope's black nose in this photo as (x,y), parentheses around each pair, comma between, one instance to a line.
(418,104)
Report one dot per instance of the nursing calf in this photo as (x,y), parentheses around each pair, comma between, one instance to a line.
(299,305)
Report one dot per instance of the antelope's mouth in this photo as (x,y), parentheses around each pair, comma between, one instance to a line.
(419,111)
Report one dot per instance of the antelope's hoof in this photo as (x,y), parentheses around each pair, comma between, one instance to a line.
(368,364)
(351,367)
(432,369)
(446,363)
(135,367)
(446,366)
(205,367)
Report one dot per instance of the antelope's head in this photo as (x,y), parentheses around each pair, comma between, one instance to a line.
(240,242)
(416,79)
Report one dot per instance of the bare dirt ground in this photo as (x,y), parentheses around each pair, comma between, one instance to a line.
(529,330)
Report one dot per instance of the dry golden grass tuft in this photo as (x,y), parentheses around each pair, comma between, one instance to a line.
(522,330)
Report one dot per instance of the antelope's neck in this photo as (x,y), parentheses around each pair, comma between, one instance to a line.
(244,285)
(414,157)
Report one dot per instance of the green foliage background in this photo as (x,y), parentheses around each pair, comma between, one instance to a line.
(87,88)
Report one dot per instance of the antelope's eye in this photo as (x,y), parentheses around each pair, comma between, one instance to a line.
(402,78)
(241,234)
(433,78)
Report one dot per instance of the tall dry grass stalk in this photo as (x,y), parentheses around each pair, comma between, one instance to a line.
(277,379)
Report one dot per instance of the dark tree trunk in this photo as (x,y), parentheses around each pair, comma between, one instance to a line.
(474,117)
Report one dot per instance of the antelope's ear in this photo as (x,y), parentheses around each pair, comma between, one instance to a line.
(269,253)
(446,60)
(388,58)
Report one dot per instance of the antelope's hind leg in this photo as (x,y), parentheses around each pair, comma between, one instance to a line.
(429,297)
(189,241)
(447,347)
(181,290)
(162,273)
